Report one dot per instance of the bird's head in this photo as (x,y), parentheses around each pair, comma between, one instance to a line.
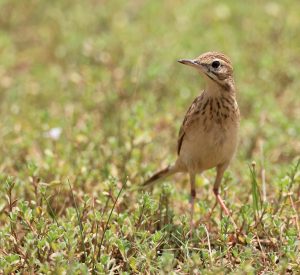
(216,66)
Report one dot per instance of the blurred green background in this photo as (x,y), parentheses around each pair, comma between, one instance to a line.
(91,90)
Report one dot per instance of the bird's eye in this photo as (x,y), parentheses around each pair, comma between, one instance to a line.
(216,64)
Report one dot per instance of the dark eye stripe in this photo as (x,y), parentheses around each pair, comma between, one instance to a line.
(218,75)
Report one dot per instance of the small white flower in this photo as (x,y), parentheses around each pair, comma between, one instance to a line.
(54,133)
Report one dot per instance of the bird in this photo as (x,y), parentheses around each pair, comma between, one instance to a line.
(208,136)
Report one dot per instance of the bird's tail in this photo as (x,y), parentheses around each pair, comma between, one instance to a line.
(171,169)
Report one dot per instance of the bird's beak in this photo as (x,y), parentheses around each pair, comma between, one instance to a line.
(192,63)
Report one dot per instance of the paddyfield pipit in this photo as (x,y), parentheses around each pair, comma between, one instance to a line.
(209,132)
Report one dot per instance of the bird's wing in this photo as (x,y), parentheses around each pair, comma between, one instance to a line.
(189,118)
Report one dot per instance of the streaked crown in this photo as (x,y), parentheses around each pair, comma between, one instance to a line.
(216,66)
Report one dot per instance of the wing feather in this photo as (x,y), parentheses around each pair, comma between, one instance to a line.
(189,118)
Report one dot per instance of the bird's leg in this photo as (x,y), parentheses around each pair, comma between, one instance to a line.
(192,201)
(220,172)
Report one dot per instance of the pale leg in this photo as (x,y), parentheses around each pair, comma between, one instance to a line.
(192,201)
(220,172)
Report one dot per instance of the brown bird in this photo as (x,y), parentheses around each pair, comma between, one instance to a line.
(208,135)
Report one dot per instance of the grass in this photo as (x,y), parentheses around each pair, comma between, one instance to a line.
(91,102)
